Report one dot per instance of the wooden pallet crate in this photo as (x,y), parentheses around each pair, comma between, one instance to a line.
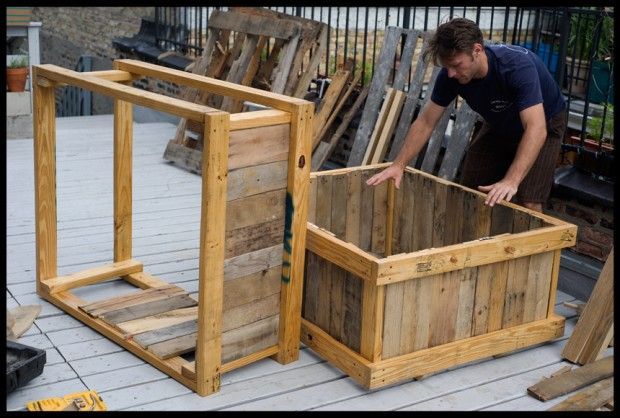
(255,176)
(400,283)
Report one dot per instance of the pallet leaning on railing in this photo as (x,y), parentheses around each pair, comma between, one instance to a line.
(295,39)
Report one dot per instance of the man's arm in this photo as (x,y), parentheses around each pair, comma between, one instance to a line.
(418,134)
(534,136)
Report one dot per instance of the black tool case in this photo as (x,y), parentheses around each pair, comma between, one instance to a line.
(23,363)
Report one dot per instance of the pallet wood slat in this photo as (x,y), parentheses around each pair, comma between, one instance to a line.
(464,121)
(375,96)
(576,379)
(328,102)
(381,119)
(433,146)
(158,335)
(323,152)
(412,101)
(588,399)
(388,128)
(341,102)
(149,308)
(131,298)
(594,328)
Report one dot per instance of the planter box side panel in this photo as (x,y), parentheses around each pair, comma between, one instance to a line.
(438,309)
(255,218)
(344,205)
(332,300)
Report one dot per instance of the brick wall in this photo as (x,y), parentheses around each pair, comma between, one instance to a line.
(68,32)
(595,223)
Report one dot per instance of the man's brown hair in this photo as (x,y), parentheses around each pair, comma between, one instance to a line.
(457,35)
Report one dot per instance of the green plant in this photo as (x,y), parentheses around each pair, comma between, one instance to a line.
(583,28)
(596,128)
(18,62)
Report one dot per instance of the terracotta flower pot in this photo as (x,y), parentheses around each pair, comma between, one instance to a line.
(16,78)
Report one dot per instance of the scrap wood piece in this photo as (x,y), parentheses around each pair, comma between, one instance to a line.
(20,319)
(578,378)
(325,149)
(381,118)
(588,399)
(326,106)
(594,329)
(388,128)
(563,370)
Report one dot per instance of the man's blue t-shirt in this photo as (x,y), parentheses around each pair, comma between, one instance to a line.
(516,80)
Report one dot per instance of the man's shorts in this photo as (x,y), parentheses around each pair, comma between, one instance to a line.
(489,156)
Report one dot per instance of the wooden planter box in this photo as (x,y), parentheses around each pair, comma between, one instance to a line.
(255,176)
(402,283)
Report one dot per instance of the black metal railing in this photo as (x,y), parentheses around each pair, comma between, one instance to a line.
(75,101)
(560,36)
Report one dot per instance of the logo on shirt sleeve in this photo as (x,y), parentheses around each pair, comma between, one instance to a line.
(499,105)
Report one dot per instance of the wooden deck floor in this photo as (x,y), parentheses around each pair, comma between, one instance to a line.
(166,228)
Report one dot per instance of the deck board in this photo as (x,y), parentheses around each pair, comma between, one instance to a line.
(165,238)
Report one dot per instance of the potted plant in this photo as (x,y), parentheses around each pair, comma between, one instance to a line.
(581,46)
(17,73)
(603,132)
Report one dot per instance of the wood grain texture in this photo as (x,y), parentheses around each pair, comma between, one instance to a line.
(588,399)
(570,381)
(123,141)
(212,248)
(44,127)
(592,332)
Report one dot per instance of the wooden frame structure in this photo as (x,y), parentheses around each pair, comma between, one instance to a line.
(202,375)
(402,283)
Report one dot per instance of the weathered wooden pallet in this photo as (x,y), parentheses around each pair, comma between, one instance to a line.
(595,328)
(378,103)
(296,42)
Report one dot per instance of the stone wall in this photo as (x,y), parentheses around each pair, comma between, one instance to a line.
(69,32)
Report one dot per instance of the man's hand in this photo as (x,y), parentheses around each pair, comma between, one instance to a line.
(395,171)
(502,190)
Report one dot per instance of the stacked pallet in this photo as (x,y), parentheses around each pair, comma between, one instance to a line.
(269,50)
